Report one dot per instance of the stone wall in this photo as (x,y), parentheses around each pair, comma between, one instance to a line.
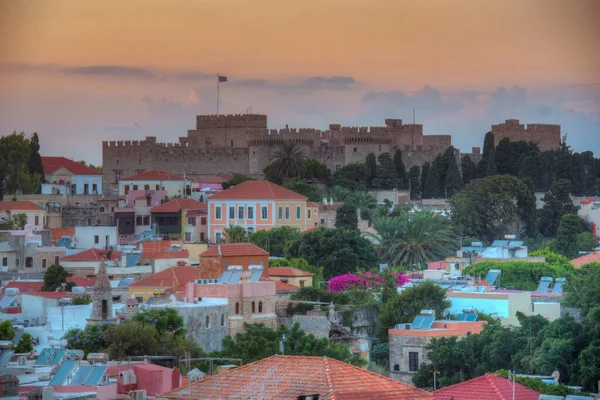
(209,337)
(546,135)
(84,215)
(317,325)
(400,347)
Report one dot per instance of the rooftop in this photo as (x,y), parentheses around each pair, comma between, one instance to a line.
(154,175)
(169,278)
(586,259)
(52,164)
(92,254)
(293,376)
(288,271)
(486,387)
(20,205)
(58,233)
(257,190)
(234,250)
(176,205)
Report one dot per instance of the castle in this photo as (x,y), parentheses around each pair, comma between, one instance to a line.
(226,144)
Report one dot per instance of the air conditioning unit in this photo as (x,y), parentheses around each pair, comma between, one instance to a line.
(137,394)
(22,360)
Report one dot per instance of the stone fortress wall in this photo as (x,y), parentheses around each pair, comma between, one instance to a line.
(547,136)
(225,144)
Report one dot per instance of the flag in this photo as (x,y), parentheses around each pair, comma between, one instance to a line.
(222,78)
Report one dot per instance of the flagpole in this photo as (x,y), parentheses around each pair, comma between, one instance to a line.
(218,79)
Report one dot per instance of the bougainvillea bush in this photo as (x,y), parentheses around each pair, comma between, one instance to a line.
(362,280)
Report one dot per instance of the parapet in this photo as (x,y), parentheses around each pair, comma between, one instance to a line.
(231,121)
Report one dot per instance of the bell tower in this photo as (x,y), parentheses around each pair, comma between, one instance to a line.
(102,309)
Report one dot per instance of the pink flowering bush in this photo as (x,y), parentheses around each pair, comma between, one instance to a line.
(363,280)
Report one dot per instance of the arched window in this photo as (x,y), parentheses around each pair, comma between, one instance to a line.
(237,308)
(222,319)
(207,321)
(260,306)
(253,308)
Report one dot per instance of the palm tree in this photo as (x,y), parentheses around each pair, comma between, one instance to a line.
(362,201)
(235,234)
(339,194)
(288,161)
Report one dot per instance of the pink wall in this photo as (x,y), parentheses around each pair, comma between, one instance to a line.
(230,290)
(108,392)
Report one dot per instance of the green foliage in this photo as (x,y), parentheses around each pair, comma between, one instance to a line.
(317,172)
(25,344)
(541,387)
(413,182)
(589,368)
(557,202)
(258,342)
(339,194)
(423,182)
(130,339)
(302,264)
(15,153)
(371,164)
(353,176)
(34,164)
(89,340)
(315,294)
(54,277)
(468,169)
(552,258)
(165,320)
(487,165)
(274,240)
(235,234)
(402,178)
(348,318)
(567,242)
(582,289)
(81,300)
(380,352)
(453,180)
(337,251)
(18,222)
(522,275)
(385,173)
(298,309)
(288,161)
(301,186)
(487,207)
(405,306)
(433,187)
(236,180)
(7,331)
(346,217)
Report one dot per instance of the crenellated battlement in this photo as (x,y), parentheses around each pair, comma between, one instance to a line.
(230,121)
(547,136)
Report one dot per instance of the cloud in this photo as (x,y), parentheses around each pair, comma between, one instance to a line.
(110,70)
(314,83)
(162,106)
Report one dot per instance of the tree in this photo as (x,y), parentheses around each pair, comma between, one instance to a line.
(289,161)
(453,180)
(346,217)
(301,186)
(589,368)
(567,238)
(235,234)
(14,168)
(81,300)
(423,182)
(235,180)
(274,240)
(339,194)
(413,182)
(362,201)
(400,171)
(165,320)
(7,332)
(34,163)
(18,222)
(582,290)
(338,251)
(468,169)
(385,176)
(54,277)
(487,165)
(557,202)
(353,176)
(25,344)
(89,340)
(371,164)
(317,172)
(132,338)
(433,184)
(405,306)
(487,207)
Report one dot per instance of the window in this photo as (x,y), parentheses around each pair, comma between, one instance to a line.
(250,212)
(94,188)
(308,213)
(222,319)
(218,237)
(29,262)
(157,187)
(96,239)
(301,284)
(117,175)
(231,212)
(338,167)
(253,308)
(287,213)
(17,262)
(44,263)
(188,237)
(241,212)
(280,213)
(37,220)
(146,187)
(146,220)
(218,212)
(264,212)
(379,147)
(139,220)
(203,221)
(139,299)
(57,260)
(126,189)
(101,209)
(250,230)
(5,261)
(260,306)
(202,236)
(298,212)
(413,361)
(237,308)
(192,221)
(139,161)
(355,149)
(232,143)
(104,310)
(207,321)
(135,187)
(396,366)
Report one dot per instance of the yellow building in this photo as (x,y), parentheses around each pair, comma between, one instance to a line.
(156,284)
(291,276)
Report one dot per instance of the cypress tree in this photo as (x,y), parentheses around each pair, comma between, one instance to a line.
(453,179)
(400,170)
(371,164)
(35,160)
(424,173)
(433,187)
(468,169)
(386,173)
(487,165)
(413,180)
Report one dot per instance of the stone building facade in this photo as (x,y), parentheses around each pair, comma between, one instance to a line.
(102,309)
(547,136)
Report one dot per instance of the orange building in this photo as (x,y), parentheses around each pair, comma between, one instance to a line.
(214,261)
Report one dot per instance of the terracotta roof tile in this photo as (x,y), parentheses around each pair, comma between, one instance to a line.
(154,175)
(80,281)
(92,254)
(169,278)
(20,205)
(289,377)
(26,287)
(235,250)
(288,271)
(586,259)
(176,205)
(51,164)
(58,233)
(285,287)
(257,190)
(330,207)
(486,387)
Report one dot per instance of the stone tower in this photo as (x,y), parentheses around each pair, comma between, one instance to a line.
(101,299)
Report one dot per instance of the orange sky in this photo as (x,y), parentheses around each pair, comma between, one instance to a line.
(467,50)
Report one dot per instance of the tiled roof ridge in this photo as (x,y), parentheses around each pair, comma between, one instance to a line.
(328,377)
(495,388)
(270,188)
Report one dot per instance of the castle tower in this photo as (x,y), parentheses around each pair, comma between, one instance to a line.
(101,299)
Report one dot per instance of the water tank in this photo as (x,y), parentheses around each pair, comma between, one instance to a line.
(98,358)
(65,300)
(78,289)
(5,344)
(57,342)
(11,291)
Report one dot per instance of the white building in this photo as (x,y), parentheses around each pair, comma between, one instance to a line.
(98,237)
(174,185)
(66,176)
(36,216)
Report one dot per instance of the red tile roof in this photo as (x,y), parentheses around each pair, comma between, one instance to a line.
(51,164)
(288,271)
(26,287)
(486,387)
(176,205)
(80,281)
(257,190)
(312,204)
(20,205)
(330,207)
(58,233)
(92,254)
(235,250)
(289,377)
(285,287)
(51,295)
(586,259)
(169,278)
(154,175)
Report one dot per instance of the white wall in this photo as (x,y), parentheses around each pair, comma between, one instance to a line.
(73,317)
(31,214)
(36,306)
(85,236)
(173,188)
(81,180)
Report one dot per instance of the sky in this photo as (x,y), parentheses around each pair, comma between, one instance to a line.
(81,72)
